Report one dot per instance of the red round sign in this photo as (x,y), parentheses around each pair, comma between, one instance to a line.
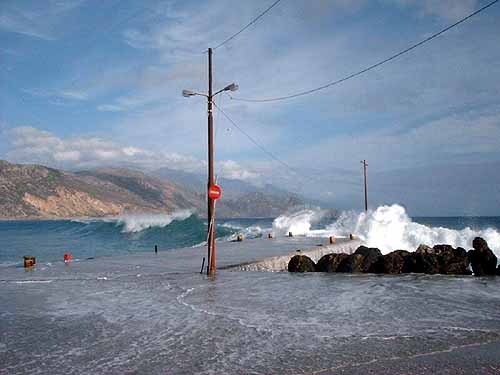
(214,192)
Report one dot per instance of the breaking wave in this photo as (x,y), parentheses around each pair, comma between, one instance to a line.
(299,223)
(387,227)
(139,222)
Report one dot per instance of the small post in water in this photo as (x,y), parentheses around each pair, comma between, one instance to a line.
(202,265)
(290,234)
(156,249)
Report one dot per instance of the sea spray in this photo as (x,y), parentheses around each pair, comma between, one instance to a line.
(299,223)
(387,227)
(390,228)
(138,222)
(252,231)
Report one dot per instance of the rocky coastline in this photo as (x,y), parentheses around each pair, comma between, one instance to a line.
(439,259)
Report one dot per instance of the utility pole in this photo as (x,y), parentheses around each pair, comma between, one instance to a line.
(213,191)
(211,182)
(366,190)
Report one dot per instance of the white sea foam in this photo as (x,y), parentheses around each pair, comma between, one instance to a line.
(299,223)
(139,222)
(387,227)
(252,231)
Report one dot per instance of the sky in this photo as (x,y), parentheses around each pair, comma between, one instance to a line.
(87,83)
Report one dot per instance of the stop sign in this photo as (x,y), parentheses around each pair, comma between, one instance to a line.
(214,192)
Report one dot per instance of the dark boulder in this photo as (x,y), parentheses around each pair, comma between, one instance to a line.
(482,259)
(330,262)
(424,249)
(301,263)
(351,264)
(442,259)
(426,263)
(452,261)
(396,262)
(370,256)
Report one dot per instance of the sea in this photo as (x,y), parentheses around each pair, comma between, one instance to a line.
(120,308)
(387,227)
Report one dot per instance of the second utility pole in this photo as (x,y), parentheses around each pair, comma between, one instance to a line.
(366,192)
(211,182)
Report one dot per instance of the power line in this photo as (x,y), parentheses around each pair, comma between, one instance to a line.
(248,25)
(271,155)
(268,153)
(371,67)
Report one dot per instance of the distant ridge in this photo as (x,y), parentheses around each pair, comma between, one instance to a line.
(37,192)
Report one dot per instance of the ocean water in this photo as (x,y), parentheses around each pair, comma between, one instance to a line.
(130,311)
(387,227)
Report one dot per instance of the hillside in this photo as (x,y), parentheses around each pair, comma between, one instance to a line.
(39,192)
(34,191)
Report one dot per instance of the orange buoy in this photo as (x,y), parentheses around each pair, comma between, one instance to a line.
(67,257)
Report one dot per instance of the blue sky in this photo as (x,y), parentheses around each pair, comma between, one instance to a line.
(88,83)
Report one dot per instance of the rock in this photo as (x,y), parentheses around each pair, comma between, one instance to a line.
(396,262)
(301,263)
(452,261)
(482,259)
(426,262)
(442,249)
(330,262)
(498,271)
(442,259)
(424,249)
(351,264)
(370,256)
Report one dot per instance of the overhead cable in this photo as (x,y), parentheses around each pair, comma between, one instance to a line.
(371,67)
(248,25)
(274,157)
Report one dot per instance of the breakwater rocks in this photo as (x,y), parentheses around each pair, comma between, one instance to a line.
(439,259)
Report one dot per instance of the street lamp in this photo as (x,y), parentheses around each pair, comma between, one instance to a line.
(211,181)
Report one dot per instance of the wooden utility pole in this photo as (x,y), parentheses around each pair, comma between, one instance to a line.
(213,191)
(211,182)
(366,190)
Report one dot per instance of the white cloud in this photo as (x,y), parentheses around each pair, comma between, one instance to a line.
(110,108)
(31,145)
(56,96)
(450,10)
(231,169)
(39,20)
(448,139)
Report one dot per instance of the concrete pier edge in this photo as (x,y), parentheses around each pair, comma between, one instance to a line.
(279,263)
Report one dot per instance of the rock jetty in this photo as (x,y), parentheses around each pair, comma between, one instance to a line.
(439,259)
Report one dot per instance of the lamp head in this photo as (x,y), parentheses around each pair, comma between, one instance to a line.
(187,93)
(231,87)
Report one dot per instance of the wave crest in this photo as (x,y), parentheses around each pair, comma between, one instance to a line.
(134,223)
(387,227)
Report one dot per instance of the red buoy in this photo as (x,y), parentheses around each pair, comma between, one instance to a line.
(67,257)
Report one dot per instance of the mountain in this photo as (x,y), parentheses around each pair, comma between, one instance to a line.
(39,192)
(239,198)
(35,191)
(232,189)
